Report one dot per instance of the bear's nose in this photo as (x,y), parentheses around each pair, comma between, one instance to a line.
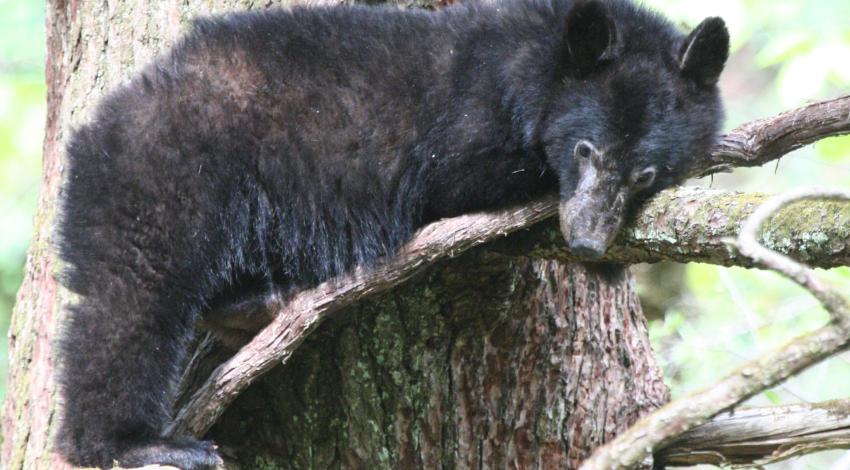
(587,248)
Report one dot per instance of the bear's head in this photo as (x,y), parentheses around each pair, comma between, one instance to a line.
(639,104)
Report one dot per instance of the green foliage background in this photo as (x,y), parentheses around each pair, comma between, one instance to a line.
(22,116)
(786,53)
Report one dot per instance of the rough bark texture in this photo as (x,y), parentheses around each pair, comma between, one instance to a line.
(763,140)
(485,359)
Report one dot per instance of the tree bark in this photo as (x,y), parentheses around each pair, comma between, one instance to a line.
(484,361)
(694,225)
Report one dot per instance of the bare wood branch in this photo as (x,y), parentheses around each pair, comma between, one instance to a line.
(764,140)
(658,428)
(276,343)
(834,302)
(759,436)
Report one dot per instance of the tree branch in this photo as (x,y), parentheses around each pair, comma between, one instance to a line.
(447,238)
(691,224)
(301,315)
(833,301)
(764,140)
(658,428)
(759,436)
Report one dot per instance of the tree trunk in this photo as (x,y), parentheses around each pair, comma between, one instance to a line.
(489,359)
(485,361)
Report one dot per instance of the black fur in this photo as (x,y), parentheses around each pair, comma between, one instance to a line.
(269,151)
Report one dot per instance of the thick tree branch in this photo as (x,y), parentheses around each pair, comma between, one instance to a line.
(276,343)
(764,140)
(691,224)
(657,429)
(759,436)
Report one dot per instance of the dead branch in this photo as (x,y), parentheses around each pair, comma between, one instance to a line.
(276,343)
(759,436)
(658,428)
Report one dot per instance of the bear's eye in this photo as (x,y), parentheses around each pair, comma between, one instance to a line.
(584,149)
(644,178)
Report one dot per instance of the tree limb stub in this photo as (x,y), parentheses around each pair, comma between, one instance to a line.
(759,436)
(276,343)
(658,428)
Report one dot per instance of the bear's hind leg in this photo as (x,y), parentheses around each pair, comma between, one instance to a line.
(120,357)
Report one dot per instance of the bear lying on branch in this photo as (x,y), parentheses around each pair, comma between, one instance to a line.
(269,151)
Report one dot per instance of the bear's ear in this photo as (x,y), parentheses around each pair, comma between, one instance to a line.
(704,52)
(590,36)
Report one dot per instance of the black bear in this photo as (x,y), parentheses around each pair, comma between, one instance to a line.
(269,151)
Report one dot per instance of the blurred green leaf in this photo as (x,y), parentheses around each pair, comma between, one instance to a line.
(773,397)
(834,149)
